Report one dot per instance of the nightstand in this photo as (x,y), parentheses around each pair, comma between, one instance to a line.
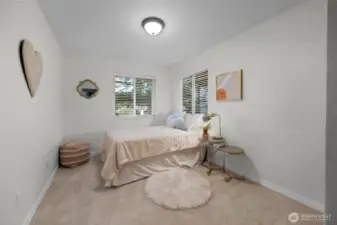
(227,151)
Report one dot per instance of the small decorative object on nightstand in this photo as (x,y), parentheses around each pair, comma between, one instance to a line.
(207,122)
(207,125)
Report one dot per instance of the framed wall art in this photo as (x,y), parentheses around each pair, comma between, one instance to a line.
(229,86)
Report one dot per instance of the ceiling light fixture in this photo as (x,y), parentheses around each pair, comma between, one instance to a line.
(153,25)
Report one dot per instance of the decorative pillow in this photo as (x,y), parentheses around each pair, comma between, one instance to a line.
(196,123)
(188,120)
(180,123)
(177,121)
(170,122)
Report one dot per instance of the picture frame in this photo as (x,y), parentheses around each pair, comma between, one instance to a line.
(229,86)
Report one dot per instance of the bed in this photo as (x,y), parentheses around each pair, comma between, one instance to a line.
(133,154)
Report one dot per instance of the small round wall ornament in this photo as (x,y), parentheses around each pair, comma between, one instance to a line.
(87,89)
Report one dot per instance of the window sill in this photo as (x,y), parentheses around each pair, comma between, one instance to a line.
(134,116)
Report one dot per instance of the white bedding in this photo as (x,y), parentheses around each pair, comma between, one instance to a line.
(130,145)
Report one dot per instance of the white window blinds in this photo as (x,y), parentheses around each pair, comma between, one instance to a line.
(187,94)
(143,96)
(195,93)
(133,96)
(201,92)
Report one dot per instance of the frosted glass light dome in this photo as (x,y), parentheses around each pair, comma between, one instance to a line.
(153,25)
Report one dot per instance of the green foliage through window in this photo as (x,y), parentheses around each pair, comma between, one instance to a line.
(195,93)
(133,96)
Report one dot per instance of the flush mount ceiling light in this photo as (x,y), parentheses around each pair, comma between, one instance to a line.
(153,25)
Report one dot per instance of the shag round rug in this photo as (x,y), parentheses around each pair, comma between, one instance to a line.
(178,189)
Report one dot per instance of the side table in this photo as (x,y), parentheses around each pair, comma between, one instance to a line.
(227,151)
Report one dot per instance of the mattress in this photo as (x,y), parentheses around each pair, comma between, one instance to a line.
(121,147)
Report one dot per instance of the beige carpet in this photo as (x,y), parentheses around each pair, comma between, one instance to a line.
(77,197)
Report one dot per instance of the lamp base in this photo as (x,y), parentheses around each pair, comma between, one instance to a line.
(205,132)
(217,137)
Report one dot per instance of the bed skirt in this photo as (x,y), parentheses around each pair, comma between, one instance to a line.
(141,169)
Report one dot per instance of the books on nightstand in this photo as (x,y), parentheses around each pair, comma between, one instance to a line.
(215,140)
(218,142)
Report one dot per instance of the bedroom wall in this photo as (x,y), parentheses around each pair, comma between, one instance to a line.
(89,119)
(31,128)
(331,141)
(281,121)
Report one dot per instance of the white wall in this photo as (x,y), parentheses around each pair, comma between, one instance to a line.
(88,119)
(30,128)
(331,120)
(281,121)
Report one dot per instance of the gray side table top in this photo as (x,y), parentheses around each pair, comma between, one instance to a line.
(231,150)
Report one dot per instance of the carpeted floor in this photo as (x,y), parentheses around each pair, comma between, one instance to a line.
(77,197)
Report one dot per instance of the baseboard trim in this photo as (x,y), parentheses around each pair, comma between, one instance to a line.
(38,201)
(286,192)
(293,195)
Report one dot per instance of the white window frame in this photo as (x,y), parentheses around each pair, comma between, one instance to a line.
(154,87)
(193,91)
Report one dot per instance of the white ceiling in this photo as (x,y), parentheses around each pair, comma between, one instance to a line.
(113,27)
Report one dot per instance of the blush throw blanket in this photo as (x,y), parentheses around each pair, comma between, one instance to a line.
(126,146)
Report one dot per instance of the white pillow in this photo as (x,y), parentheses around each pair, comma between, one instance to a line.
(196,123)
(171,121)
(180,123)
(177,121)
(188,120)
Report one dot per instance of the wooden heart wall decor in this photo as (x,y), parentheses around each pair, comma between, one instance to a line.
(31,63)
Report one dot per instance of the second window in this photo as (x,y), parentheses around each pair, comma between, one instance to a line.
(195,93)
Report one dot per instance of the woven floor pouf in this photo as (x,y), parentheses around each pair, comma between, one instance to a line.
(74,153)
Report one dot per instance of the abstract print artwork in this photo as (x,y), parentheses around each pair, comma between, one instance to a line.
(229,86)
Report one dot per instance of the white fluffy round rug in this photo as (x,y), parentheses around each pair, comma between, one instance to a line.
(178,189)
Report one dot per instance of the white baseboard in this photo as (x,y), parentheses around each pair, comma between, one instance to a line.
(38,201)
(286,192)
(295,196)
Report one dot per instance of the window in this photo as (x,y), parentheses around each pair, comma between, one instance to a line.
(187,94)
(133,96)
(195,93)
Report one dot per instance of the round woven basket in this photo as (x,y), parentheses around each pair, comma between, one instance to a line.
(74,153)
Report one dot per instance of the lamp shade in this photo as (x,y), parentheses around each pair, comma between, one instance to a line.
(209,116)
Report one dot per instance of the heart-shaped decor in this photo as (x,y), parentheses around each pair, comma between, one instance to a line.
(31,62)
